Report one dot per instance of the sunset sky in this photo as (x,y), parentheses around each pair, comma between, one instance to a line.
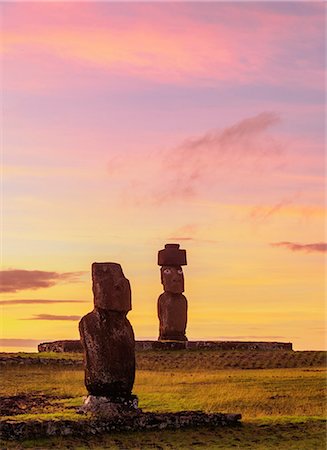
(130,125)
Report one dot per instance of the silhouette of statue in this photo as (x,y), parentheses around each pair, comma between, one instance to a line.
(172,304)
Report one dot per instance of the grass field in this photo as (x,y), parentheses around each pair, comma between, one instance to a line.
(282,407)
(204,359)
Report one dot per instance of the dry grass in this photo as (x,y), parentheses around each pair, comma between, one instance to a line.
(199,360)
(254,393)
(277,392)
(204,359)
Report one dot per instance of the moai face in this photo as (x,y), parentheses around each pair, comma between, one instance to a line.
(172,278)
(110,287)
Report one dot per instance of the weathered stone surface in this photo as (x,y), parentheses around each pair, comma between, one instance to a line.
(111,289)
(15,430)
(69,346)
(172,313)
(107,336)
(169,345)
(109,347)
(238,345)
(157,345)
(107,407)
(172,255)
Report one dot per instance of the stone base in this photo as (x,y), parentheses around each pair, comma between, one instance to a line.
(30,429)
(108,407)
(76,346)
(168,345)
(64,346)
(212,345)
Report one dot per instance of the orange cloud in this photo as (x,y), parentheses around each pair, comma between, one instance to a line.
(53,317)
(319,247)
(285,208)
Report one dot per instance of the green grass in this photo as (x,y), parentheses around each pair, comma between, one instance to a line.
(301,434)
(255,393)
(282,408)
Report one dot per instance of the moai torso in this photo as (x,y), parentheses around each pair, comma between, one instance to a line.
(172,313)
(172,304)
(107,336)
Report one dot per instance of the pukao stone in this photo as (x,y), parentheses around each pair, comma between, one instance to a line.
(172,255)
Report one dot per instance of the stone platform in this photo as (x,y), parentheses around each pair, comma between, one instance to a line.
(75,346)
(29,429)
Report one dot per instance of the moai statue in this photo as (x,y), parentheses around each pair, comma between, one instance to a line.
(108,341)
(172,304)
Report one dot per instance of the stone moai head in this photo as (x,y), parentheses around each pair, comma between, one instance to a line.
(111,289)
(172,278)
(171,258)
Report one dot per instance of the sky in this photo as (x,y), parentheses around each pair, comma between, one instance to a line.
(127,126)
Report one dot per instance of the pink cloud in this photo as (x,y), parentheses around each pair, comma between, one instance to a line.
(184,233)
(247,161)
(246,139)
(319,247)
(13,280)
(36,302)
(216,157)
(167,43)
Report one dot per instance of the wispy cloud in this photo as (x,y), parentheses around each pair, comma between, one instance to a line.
(319,247)
(242,337)
(202,158)
(171,44)
(36,302)
(218,157)
(52,317)
(13,280)
(262,213)
(189,233)
(180,238)
(215,141)
(185,233)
